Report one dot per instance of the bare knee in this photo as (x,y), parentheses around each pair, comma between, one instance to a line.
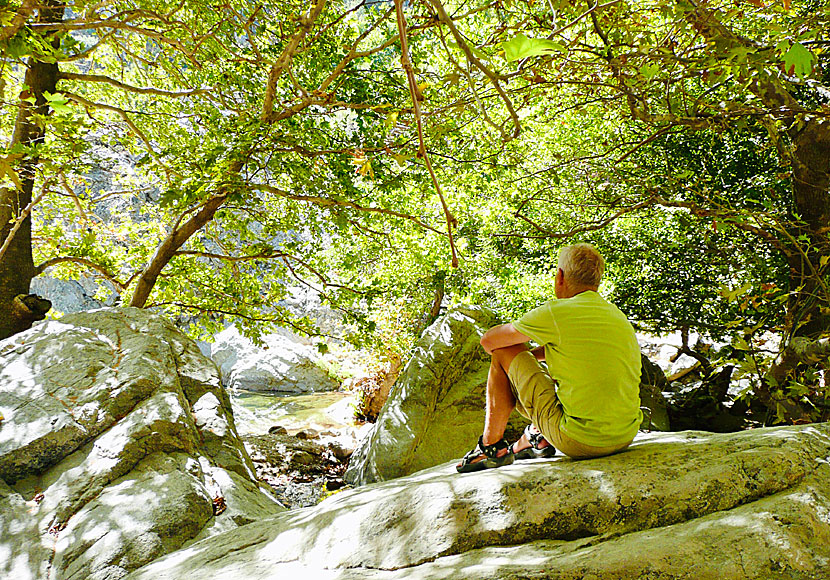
(504,356)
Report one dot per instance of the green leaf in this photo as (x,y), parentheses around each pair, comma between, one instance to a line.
(18,47)
(649,71)
(731,295)
(799,61)
(391,120)
(58,102)
(522,47)
(6,170)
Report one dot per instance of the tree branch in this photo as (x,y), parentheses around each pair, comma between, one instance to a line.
(104,272)
(416,104)
(126,118)
(70,76)
(493,76)
(283,61)
(329,202)
(19,222)
(27,8)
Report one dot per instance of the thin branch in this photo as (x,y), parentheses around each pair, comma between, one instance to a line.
(234,259)
(141,90)
(643,143)
(416,105)
(71,193)
(210,310)
(329,202)
(126,118)
(698,211)
(354,54)
(462,43)
(284,60)
(18,223)
(105,273)
(592,226)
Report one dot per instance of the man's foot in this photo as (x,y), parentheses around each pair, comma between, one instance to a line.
(532,445)
(486,456)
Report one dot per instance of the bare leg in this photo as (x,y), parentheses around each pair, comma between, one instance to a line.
(500,399)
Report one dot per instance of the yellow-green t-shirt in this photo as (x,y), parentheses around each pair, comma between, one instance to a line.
(592,353)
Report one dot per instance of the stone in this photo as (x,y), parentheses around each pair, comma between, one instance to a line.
(69,296)
(748,505)
(117,441)
(285,363)
(652,384)
(301,458)
(435,411)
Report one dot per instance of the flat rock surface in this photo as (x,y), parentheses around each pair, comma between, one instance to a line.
(754,504)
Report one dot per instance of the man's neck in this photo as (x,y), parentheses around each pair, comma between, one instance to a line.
(569,292)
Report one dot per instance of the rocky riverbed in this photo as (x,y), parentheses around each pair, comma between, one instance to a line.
(300,445)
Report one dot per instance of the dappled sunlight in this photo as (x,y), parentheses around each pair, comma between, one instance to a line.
(112,492)
(125,517)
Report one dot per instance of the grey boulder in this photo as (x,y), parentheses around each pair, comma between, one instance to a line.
(117,445)
(435,410)
(283,364)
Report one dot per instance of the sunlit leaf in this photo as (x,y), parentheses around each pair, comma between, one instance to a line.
(799,61)
(522,47)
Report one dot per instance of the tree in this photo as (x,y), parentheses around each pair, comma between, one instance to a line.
(654,76)
(259,96)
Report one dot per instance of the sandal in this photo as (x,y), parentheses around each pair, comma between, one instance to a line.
(472,462)
(534,437)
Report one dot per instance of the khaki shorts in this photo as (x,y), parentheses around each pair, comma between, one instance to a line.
(536,399)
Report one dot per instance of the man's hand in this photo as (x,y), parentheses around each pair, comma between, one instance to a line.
(502,336)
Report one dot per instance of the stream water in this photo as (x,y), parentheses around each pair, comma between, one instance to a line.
(256,412)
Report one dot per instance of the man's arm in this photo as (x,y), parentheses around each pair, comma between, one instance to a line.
(502,336)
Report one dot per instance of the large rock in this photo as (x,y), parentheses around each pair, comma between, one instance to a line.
(283,364)
(749,505)
(435,411)
(117,445)
(68,296)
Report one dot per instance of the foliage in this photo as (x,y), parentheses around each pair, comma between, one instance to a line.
(205,160)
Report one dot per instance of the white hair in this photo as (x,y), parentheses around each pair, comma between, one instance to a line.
(582,264)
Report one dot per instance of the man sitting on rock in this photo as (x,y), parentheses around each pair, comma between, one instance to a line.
(587,402)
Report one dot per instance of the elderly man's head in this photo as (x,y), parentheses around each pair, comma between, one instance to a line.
(582,266)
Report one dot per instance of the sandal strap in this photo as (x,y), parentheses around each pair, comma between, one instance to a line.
(534,436)
(491,451)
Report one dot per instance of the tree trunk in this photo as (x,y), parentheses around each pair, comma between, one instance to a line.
(810,157)
(172,243)
(811,192)
(17,310)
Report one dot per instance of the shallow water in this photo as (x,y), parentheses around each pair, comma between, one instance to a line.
(256,412)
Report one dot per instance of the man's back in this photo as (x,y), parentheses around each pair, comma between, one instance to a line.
(592,353)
